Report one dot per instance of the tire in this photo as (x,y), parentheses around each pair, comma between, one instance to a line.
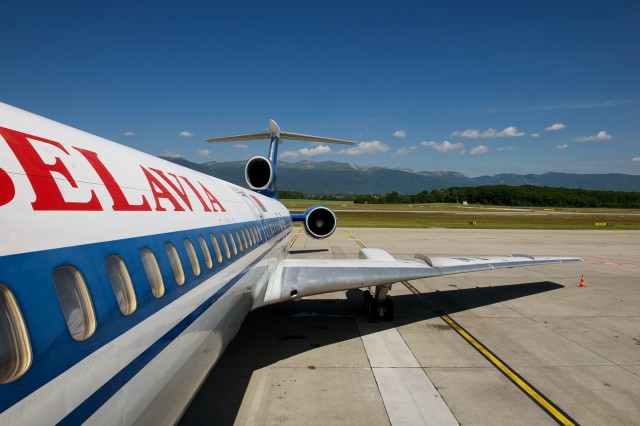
(372,312)
(367,298)
(388,311)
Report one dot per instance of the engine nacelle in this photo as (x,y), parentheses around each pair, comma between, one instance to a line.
(259,173)
(319,221)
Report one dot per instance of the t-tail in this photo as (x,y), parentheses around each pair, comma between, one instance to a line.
(260,172)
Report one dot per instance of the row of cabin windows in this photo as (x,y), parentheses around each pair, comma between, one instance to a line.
(76,304)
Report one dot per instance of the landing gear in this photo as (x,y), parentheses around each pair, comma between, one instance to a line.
(375,310)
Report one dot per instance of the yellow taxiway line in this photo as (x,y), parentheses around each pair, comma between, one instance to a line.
(295,237)
(543,402)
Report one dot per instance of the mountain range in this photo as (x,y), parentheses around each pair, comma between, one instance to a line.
(331,177)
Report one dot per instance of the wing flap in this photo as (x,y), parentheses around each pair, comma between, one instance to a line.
(296,278)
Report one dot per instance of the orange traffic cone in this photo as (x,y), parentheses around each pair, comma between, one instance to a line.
(582,282)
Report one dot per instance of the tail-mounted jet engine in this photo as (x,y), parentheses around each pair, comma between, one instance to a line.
(319,221)
(259,173)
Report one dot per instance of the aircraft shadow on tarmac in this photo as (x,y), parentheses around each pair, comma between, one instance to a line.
(308,251)
(278,332)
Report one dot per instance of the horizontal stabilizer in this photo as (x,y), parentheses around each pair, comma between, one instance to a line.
(247,137)
(276,133)
(309,138)
(306,277)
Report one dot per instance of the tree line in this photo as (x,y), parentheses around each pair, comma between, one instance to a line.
(503,195)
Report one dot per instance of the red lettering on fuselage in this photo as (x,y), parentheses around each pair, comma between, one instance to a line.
(7,188)
(44,181)
(160,191)
(181,192)
(120,202)
(48,195)
(212,199)
(204,205)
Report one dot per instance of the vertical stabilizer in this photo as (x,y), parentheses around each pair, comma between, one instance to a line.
(261,172)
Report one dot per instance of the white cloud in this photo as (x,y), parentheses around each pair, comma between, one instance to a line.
(561,147)
(403,151)
(186,134)
(128,133)
(508,132)
(306,152)
(400,134)
(442,147)
(555,127)
(368,148)
(480,149)
(170,154)
(241,146)
(535,135)
(505,148)
(204,153)
(636,159)
(472,133)
(601,136)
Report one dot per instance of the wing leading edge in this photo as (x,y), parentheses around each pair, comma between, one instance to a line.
(296,278)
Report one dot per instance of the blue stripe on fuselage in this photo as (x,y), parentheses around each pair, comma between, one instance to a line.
(29,276)
(105,392)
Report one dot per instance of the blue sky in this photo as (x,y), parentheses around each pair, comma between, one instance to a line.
(474,87)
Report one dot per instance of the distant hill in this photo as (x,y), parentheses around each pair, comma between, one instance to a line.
(331,177)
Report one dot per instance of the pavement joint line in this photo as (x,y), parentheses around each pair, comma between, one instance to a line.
(536,396)
(573,341)
(297,234)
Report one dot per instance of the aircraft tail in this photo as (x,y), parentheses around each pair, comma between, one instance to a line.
(261,172)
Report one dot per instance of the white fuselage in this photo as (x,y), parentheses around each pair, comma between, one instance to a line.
(71,198)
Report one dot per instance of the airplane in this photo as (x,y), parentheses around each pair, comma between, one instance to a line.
(123,277)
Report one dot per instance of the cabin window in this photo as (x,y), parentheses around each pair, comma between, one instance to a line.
(153,272)
(226,245)
(252,229)
(238,239)
(243,234)
(259,234)
(121,284)
(193,258)
(249,236)
(15,348)
(75,302)
(174,261)
(205,251)
(233,243)
(216,247)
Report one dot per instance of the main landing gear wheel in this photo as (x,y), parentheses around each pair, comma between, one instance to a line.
(388,309)
(375,310)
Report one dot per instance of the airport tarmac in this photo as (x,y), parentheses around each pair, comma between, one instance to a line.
(510,346)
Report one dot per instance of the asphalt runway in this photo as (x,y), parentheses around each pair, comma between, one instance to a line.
(510,346)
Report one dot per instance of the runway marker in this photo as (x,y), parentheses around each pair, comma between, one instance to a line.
(353,237)
(536,396)
(295,237)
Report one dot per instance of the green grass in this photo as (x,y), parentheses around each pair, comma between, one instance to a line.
(301,205)
(486,221)
(382,219)
(295,204)
(486,217)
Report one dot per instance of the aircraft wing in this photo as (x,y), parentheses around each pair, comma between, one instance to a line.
(306,277)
